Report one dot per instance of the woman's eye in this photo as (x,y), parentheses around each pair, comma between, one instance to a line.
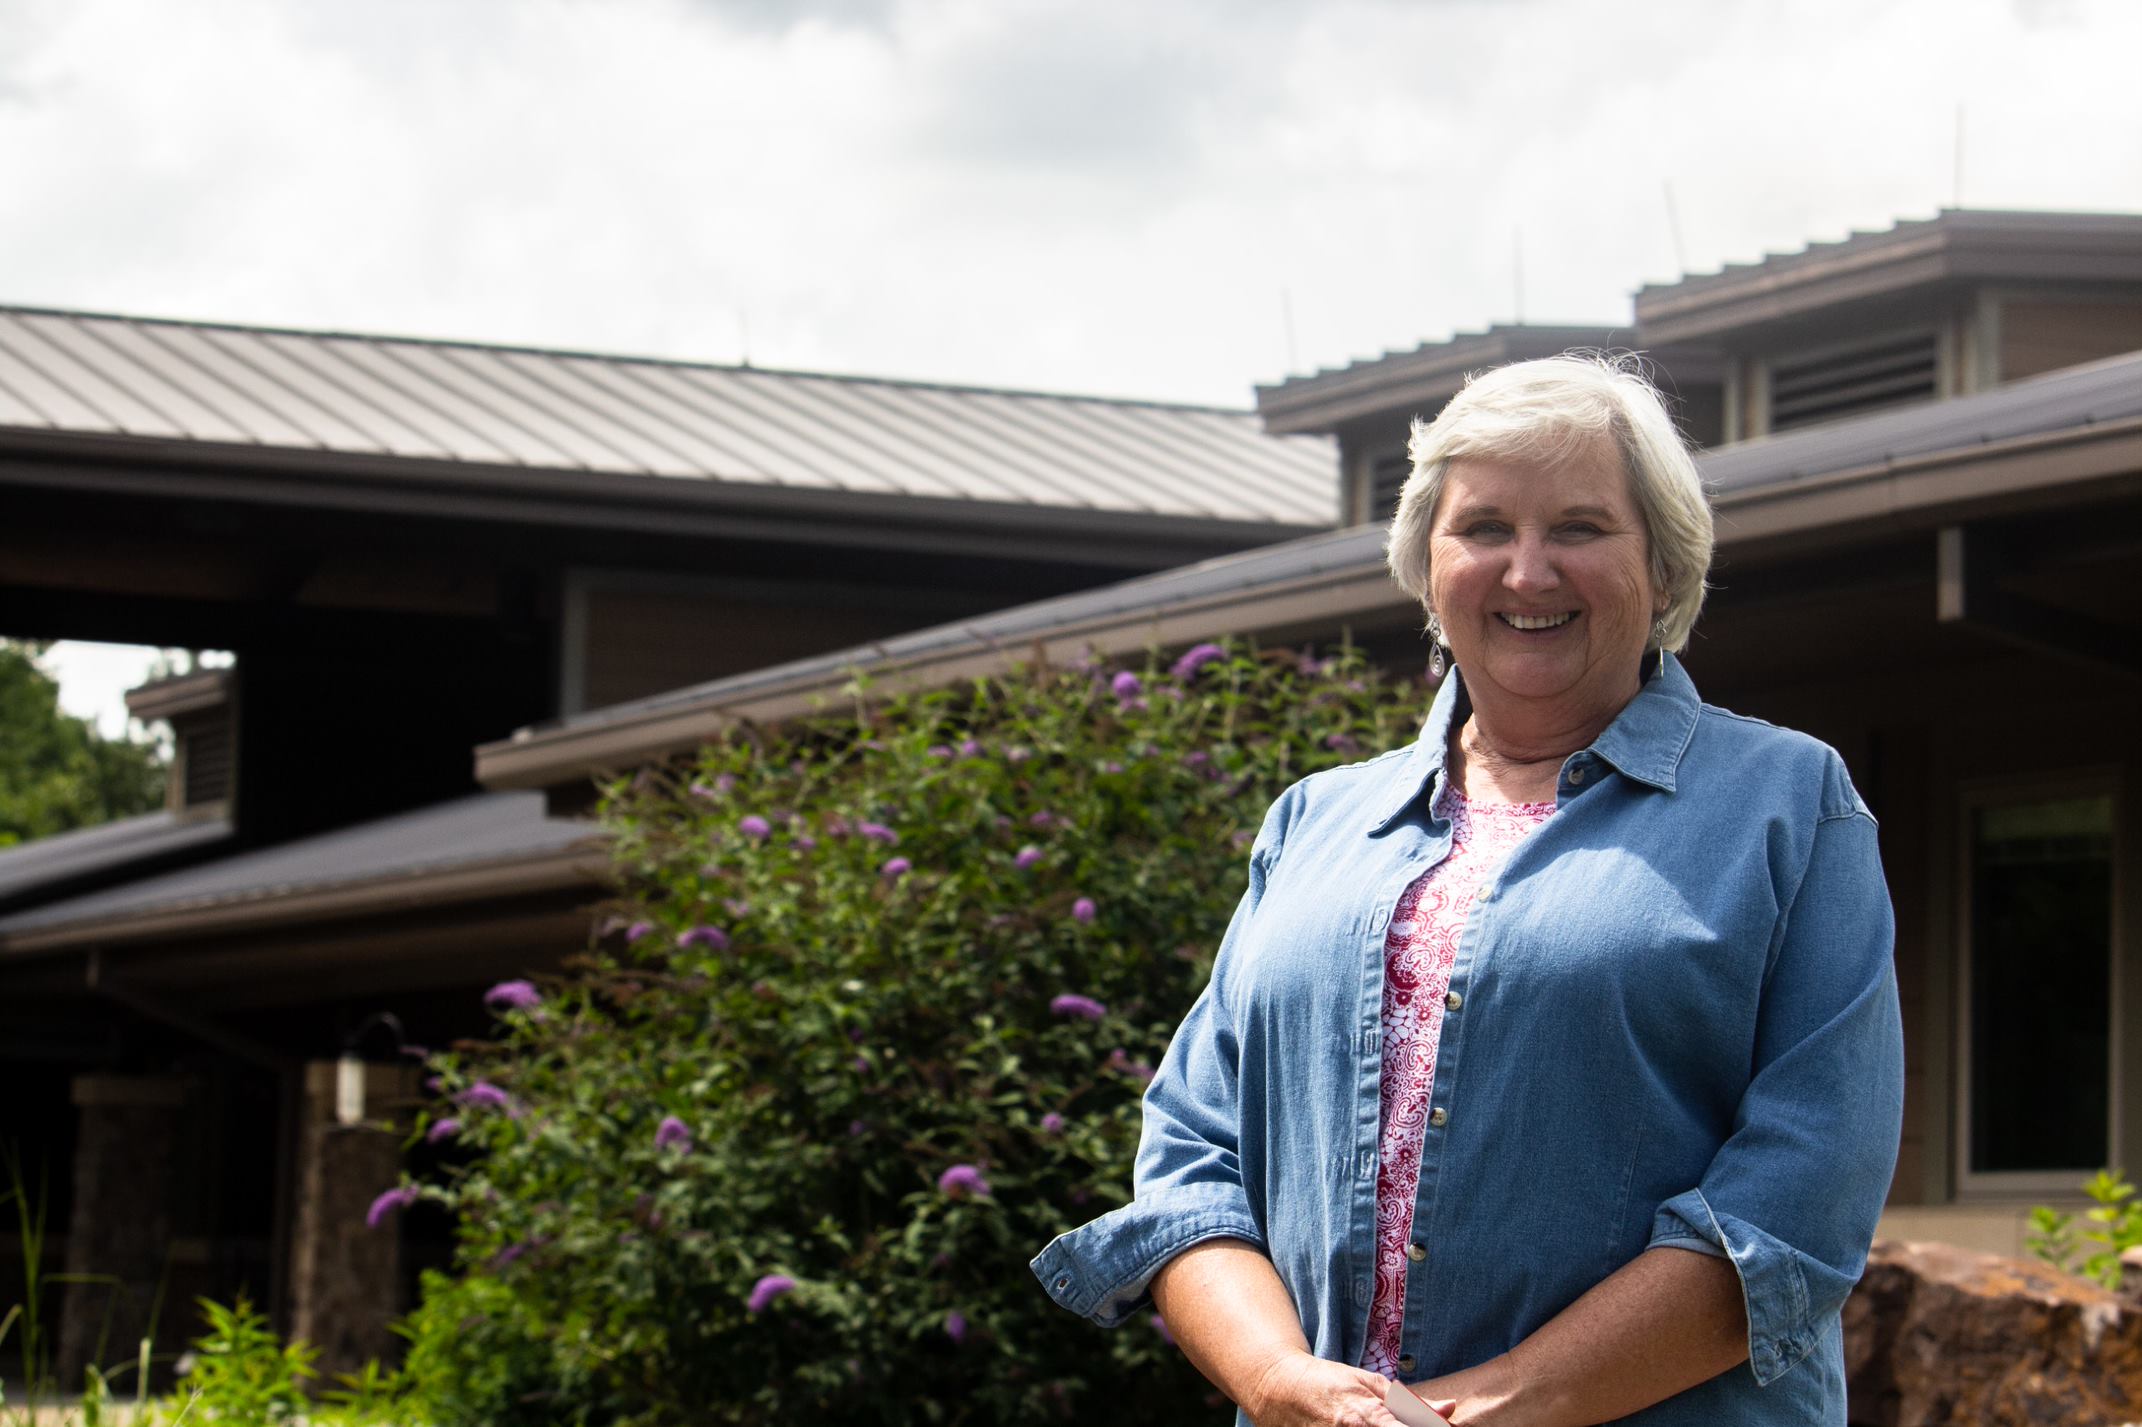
(1486,530)
(1580,528)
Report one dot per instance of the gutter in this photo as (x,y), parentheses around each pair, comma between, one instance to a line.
(583,865)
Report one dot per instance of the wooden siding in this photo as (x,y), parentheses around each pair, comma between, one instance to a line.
(2042,336)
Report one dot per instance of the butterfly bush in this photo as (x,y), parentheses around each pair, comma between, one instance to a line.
(864,1027)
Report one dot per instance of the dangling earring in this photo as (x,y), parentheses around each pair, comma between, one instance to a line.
(1437,664)
(1658,633)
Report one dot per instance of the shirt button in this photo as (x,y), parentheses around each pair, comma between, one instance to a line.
(1576,774)
(1439,1117)
(1405,1364)
(1452,1000)
(1415,1252)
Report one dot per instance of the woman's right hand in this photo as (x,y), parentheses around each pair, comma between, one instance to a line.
(1303,1390)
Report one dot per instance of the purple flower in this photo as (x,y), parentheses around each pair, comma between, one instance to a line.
(857,1129)
(956,1326)
(1118,1060)
(878,832)
(443,1129)
(1126,686)
(713,938)
(1196,658)
(715,789)
(513,996)
(862,1065)
(414,1052)
(1043,819)
(1052,1123)
(961,1180)
(736,906)
(940,750)
(637,930)
(511,1252)
(895,868)
(1160,1326)
(752,825)
(1344,742)
(1028,856)
(1083,910)
(1073,1004)
(1196,758)
(484,1093)
(397,1198)
(970,748)
(767,1289)
(672,1134)
(803,842)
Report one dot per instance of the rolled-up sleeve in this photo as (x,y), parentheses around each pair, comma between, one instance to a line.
(1187,1184)
(1792,1196)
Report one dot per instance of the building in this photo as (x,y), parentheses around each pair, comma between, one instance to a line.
(1926,447)
(414,548)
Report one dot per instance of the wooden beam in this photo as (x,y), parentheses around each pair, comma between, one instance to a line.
(1969,564)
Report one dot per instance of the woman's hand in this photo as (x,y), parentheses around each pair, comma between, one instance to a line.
(1302,1390)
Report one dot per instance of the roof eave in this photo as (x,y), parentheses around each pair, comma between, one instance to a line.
(584,864)
(1886,494)
(617,502)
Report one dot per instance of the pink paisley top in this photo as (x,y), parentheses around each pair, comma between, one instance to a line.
(1418,953)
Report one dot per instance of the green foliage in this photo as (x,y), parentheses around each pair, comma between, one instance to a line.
(242,1372)
(58,772)
(834,976)
(2114,1226)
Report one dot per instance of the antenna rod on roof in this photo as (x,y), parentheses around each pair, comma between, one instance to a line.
(1286,319)
(1673,227)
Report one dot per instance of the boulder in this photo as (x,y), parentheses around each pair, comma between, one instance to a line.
(1936,1334)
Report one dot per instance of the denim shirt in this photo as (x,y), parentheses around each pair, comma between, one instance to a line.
(1672,1021)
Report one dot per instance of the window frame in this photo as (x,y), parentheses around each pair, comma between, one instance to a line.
(1974,795)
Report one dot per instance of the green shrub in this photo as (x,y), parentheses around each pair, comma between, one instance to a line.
(241,1372)
(2114,1226)
(870,1026)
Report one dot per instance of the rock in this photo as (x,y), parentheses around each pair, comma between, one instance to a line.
(1936,1334)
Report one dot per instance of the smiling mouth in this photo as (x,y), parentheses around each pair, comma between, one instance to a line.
(1537,621)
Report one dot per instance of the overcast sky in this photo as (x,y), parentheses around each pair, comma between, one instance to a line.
(1117,196)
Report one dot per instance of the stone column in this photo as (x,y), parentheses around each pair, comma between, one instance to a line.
(345,1276)
(129,1151)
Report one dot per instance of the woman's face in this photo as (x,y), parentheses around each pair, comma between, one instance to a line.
(1542,579)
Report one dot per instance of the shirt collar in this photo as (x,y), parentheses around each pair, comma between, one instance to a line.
(1645,741)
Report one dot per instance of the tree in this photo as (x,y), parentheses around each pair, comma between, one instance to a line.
(58,772)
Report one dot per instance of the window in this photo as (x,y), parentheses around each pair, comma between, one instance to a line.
(1387,477)
(2037,986)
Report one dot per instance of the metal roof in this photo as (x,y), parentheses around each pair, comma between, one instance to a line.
(1343,570)
(479,829)
(1424,375)
(2095,394)
(65,856)
(319,393)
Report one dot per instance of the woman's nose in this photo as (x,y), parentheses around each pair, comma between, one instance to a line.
(1531,566)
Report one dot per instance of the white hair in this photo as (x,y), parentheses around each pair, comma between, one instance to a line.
(1548,412)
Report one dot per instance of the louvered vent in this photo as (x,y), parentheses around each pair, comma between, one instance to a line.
(1893,372)
(206,757)
(1387,477)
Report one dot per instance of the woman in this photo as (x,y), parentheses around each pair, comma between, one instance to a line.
(1553,1064)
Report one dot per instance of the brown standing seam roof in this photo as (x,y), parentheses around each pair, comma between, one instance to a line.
(317,392)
